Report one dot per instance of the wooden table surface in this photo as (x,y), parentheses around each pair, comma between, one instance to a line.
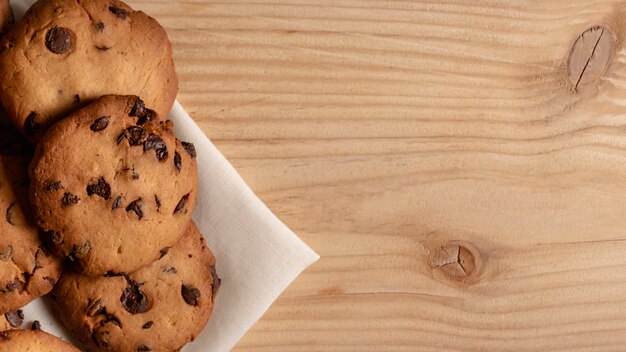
(460,166)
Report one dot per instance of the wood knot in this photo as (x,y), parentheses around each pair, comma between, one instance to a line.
(457,260)
(589,56)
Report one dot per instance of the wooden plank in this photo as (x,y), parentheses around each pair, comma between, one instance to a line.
(459,167)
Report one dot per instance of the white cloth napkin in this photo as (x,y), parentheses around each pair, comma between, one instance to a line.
(257,255)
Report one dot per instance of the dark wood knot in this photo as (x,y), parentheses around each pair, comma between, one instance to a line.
(589,56)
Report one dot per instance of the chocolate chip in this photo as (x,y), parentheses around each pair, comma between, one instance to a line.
(117,202)
(135,206)
(100,187)
(133,300)
(9,214)
(148,116)
(143,348)
(121,13)
(59,40)
(180,207)
(217,281)
(102,47)
(147,325)
(169,269)
(82,250)
(36,325)
(30,125)
(77,99)
(121,137)
(53,185)
(190,294)
(95,308)
(158,202)
(15,318)
(15,285)
(190,148)
(164,252)
(100,26)
(50,280)
(100,123)
(69,199)
(177,161)
(155,142)
(139,110)
(135,135)
(7,253)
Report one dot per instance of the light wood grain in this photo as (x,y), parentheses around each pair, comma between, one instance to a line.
(389,134)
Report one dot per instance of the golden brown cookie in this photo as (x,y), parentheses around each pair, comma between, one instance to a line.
(112,187)
(65,53)
(27,270)
(158,308)
(32,341)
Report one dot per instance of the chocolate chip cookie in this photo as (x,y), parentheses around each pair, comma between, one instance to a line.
(64,54)
(32,340)
(27,269)
(112,187)
(158,308)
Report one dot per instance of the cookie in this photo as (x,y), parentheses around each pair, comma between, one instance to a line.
(64,54)
(27,270)
(32,340)
(158,308)
(112,187)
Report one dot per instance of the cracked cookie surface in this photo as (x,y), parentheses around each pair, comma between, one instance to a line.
(158,308)
(111,186)
(32,340)
(27,271)
(64,54)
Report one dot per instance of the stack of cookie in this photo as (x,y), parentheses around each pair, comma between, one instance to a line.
(108,193)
